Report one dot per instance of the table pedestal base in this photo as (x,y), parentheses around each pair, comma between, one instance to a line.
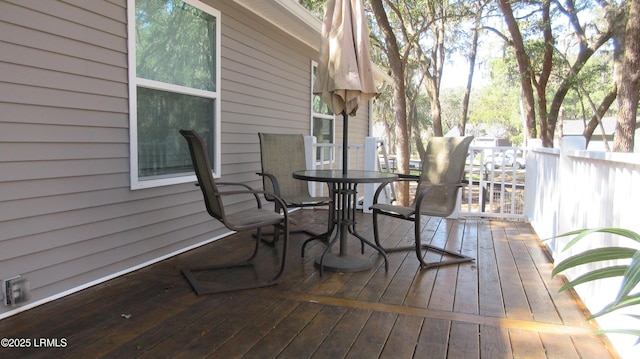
(342,186)
(343,263)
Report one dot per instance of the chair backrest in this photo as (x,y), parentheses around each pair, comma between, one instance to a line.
(202,167)
(281,155)
(444,163)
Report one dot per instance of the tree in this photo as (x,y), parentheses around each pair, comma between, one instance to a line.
(497,106)
(477,14)
(528,102)
(537,55)
(316,7)
(587,47)
(629,90)
(396,65)
(432,58)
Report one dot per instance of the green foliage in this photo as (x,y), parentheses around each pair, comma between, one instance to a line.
(590,86)
(630,273)
(316,7)
(414,23)
(498,103)
(175,43)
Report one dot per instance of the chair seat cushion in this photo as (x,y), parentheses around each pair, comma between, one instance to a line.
(305,201)
(253,216)
(405,212)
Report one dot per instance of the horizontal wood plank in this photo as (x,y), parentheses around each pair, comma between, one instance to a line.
(473,310)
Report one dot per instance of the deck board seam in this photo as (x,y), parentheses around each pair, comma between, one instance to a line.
(507,323)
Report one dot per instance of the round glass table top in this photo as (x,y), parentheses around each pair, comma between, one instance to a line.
(351,176)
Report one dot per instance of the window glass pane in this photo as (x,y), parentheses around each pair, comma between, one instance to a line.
(322,122)
(323,130)
(320,107)
(161,148)
(176,44)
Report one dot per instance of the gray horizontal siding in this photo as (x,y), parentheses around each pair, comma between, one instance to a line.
(67,214)
(30,113)
(55,43)
(266,78)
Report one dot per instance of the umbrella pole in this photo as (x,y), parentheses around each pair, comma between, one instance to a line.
(345,144)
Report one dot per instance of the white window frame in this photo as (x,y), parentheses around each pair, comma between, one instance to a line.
(137,182)
(314,65)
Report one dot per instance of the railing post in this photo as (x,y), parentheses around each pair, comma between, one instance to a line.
(567,193)
(530,178)
(309,152)
(370,164)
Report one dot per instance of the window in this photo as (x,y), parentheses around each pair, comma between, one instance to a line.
(174,76)
(322,121)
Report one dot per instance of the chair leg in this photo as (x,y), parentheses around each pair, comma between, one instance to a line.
(457,257)
(376,235)
(418,247)
(285,243)
(322,236)
(201,289)
(275,234)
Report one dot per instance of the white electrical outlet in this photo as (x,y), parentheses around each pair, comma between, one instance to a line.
(16,291)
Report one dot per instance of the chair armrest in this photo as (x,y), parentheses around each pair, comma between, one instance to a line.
(405,177)
(401,178)
(378,191)
(274,181)
(420,196)
(248,190)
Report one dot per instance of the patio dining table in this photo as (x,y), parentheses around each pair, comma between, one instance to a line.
(343,188)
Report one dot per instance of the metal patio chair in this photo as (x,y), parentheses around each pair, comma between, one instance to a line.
(436,196)
(281,155)
(248,219)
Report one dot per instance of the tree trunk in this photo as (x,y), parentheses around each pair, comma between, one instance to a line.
(399,98)
(436,79)
(629,89)
(472,64)
(546,128)
(585,52)
(436,117)
(524,69)
(600,111)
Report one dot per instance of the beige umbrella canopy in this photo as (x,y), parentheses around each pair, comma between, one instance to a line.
(345,75)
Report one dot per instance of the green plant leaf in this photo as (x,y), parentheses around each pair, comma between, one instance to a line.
(594,255)
(601,273)
(631,277)
(635,332)
(581,233)
(626,302)
(630,273)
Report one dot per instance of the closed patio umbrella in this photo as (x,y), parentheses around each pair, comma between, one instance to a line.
(345,75)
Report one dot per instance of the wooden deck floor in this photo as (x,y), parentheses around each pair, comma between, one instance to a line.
(503,305)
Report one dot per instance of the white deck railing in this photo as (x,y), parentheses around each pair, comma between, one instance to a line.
(496,192)
(570,189)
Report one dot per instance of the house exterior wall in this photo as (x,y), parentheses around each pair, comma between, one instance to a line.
(68,217)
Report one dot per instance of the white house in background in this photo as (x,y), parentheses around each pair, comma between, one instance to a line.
(600,135)
(94,180)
